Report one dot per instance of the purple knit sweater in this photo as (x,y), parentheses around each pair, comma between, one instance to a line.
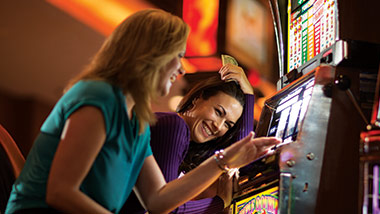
(170,139)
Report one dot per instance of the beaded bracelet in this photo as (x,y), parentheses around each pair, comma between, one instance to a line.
(218,157)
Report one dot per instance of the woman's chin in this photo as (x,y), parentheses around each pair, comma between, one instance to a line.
(165,91)
(202,140)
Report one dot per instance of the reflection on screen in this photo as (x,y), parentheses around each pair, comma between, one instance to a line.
(290,111)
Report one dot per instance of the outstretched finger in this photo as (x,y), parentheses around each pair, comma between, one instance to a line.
(266,141)
(266,151)
(248,138)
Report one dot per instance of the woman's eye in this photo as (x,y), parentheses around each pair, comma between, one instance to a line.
(218,112)
(227,125)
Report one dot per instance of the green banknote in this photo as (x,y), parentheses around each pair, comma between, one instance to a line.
(228,59)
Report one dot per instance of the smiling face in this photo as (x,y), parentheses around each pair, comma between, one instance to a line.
(169,74)
(212,118)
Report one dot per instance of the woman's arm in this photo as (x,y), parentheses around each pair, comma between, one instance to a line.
(82,138)
(236,73)
(169,196)
(169,142)
(159,197)
(232,72)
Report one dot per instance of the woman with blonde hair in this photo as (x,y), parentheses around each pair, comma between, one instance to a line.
(93,148)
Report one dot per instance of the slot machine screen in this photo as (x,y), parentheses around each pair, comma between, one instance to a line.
(312,28)
(289,112)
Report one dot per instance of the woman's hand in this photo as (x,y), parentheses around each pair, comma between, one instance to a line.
(247,150)
(225,188)
(232,72)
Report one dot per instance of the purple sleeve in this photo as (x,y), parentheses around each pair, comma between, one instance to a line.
(170,141)
(216,204)
(170,138)
(247,126)
(247,117)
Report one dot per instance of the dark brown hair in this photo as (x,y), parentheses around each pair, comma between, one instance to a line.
(198,152)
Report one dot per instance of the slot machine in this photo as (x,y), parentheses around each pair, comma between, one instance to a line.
(329,54)
(370,160)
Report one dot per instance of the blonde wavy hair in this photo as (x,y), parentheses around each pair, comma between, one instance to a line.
(134,55)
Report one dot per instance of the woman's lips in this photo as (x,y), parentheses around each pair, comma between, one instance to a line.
(206,130)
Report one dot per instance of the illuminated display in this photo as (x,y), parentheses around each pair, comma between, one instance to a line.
(375,189)
(371,197)
(101,15)
(312,29)
(264,202)
(290,111)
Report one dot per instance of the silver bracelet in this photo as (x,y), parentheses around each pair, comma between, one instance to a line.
(218,157)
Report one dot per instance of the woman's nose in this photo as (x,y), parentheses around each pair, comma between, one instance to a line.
(218,125)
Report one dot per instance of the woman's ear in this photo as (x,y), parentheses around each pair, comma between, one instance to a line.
(194,102)
(192,107)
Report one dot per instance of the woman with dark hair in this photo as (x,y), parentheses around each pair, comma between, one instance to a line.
(215,113)
(210,87)
(93,148)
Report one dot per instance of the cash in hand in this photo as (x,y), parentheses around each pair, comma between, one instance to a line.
(228,59)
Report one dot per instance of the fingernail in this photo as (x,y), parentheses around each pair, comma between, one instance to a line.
(253,135)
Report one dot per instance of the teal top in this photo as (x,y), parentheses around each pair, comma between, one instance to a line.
(116,168)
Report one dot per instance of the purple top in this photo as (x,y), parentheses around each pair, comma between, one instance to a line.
(170,139)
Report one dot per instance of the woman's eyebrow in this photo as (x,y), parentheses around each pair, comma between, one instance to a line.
(223,110)
(225,113)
